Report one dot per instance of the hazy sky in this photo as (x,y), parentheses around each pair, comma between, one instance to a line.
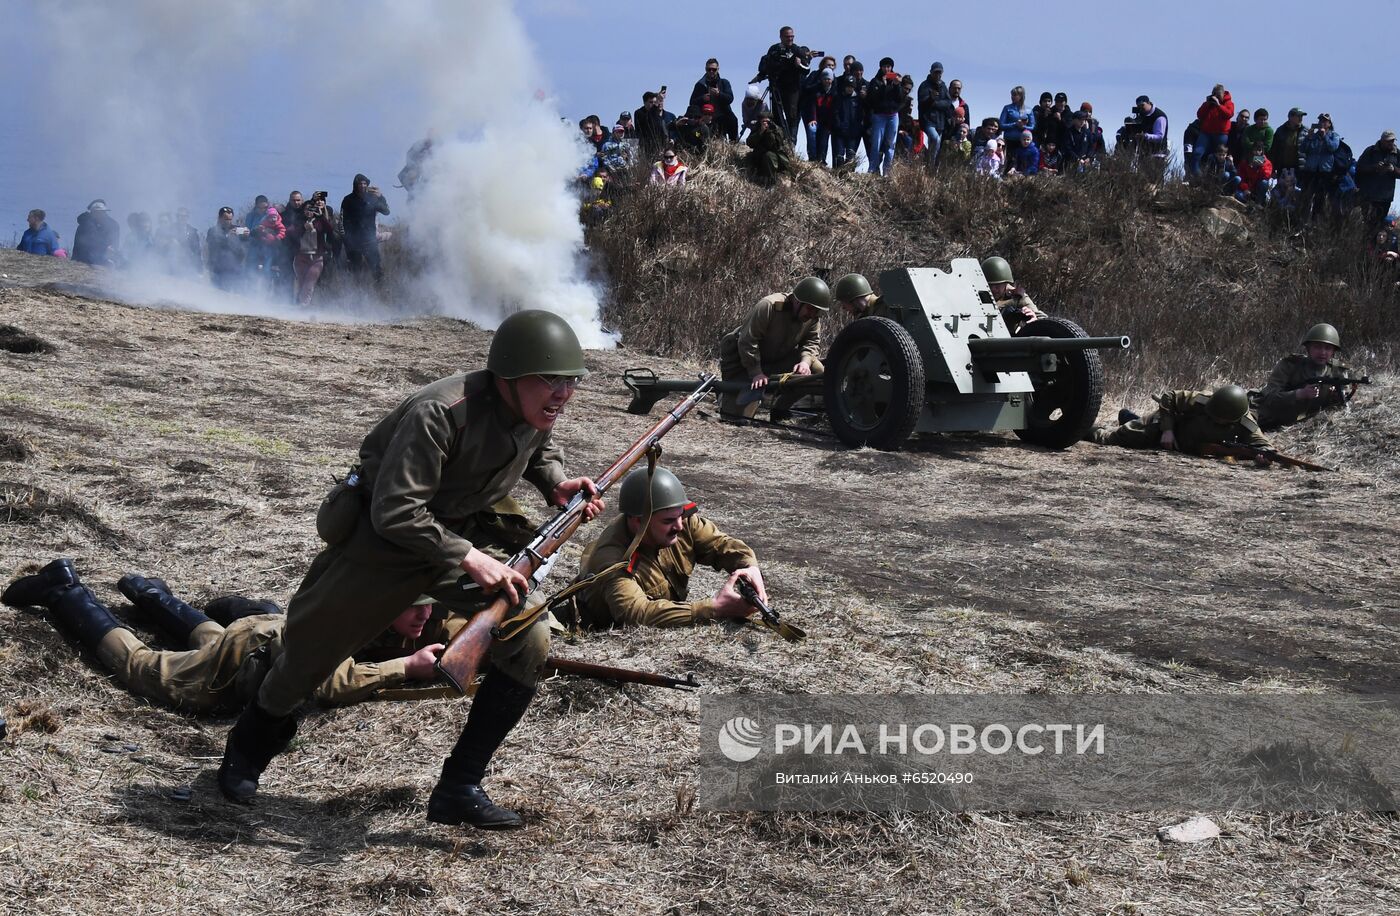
(266,134)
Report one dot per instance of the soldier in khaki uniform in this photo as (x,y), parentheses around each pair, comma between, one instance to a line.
(779,336)
(853,293)
(1187,420)
(651,586)
(226,659)
(422,508)
(1015,305)
(1287,397)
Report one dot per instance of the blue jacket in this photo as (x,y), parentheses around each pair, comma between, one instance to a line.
(1010,130)
(1316,149)
(39,241)
(1025,159)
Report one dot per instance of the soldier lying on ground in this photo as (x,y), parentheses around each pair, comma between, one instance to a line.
(1289,396)
(780,335)
(650,586)
(1187,420)
(230,650)
(853,293)
(1015,305)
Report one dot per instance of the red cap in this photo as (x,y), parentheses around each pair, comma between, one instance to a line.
(707,109)
(1085,106)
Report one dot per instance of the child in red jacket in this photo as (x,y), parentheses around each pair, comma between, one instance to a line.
(1256,176)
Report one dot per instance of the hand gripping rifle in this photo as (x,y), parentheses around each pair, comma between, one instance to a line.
(1338,383)
(1234,450)
(461,660)
(770,617)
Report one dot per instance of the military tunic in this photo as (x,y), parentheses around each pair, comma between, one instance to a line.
(770,155)
(223,667)
(653,590)
(1183,413)
(1278,404)
(770,342)
(1011,306)
(431,472)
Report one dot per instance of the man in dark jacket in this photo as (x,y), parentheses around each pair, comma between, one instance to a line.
(784,66)
(227,247)
(358,211)
(935,110)
(1376,171)
(188,256)
(1283,153)
(38,238)
(651,126)
(712,89)
(98,238)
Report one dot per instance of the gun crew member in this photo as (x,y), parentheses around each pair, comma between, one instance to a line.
(1292,393)
(650,587)
(1187,420)
(853,293)
(780,335)
(430,501)
(230,649)
(1015,305)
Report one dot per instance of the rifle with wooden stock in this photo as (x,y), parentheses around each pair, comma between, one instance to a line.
(1251,453)
(559,665)
(461,660)
(770,617)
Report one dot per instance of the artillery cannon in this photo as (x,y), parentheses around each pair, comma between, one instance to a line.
(944,361)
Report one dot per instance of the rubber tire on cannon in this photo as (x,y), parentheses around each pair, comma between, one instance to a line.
(1066,402)
(874,384)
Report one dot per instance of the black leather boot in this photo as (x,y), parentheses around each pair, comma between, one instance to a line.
(1126,416)
(79,612)
(458,798)
(253,741)
(228,608)
(153,598)
(38,590)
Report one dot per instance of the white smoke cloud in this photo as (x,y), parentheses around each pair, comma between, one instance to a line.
(496,222)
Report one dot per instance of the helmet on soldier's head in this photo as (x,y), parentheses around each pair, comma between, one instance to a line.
(1323,333)
(666,492)
(850,287)
(997,270)
(535,342)
(814,292)
(1228,404)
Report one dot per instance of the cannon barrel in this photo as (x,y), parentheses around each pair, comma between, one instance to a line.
(1030,346)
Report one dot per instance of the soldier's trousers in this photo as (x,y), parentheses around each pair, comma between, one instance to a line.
(202,677)
(735,372)
(347,600)
(1145,432)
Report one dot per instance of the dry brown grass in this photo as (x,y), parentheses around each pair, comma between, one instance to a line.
(1111,251)
(196,446)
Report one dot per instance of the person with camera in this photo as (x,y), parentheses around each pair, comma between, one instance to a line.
(651,126)
(884,99)
(1216,113)
(226,247)
(1145,134)
(770,153)
(315,245)
(1317,151)
(1376,172)
(785,66)
(358,212)
(712,89)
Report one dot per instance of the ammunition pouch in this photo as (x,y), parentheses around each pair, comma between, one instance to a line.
(340,511)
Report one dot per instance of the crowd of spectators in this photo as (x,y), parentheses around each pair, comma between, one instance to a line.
(1306,169)
(275,251)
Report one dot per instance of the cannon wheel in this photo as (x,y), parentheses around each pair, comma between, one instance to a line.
(1066,402)
(874,384)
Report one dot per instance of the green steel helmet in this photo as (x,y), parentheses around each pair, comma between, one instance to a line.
(535,342)
(997,270)
(850,287)
(666,492)
(814,292)
(1228,404)
(1323,333)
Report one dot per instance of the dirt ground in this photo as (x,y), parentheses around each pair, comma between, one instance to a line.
(196,447)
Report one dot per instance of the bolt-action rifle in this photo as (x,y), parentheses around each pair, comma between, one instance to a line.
(770,617)
(1253,453)
(461,660)
(1337,383)
(559,665)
